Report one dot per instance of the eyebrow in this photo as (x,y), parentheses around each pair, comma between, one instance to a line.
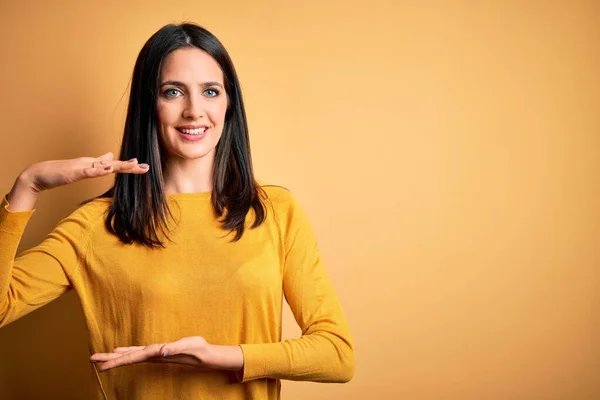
(181,84)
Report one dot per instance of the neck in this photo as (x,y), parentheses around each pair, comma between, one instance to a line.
(189,176)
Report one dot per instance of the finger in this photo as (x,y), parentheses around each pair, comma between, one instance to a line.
(102,357)
(130,166)
(172,349)
(117,352)
(106,157)
(97,171)
(127,349)
(123,166)
(136,169)
(124,350)
(146,354)
(96,160)
(186,346)
(133,161)
(180,359)
(119,360)
(102,170)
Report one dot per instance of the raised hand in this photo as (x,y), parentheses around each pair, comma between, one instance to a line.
(50,174)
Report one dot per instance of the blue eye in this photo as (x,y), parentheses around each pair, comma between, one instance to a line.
(211,92)
(172,92)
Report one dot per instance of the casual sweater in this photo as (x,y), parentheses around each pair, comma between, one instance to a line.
(201,284)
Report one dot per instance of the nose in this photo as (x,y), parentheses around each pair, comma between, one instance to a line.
(194,108)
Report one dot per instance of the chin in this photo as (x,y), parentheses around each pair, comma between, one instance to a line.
(194,155)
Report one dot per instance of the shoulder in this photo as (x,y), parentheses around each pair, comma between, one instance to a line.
(76,229)
(278,195)
(280,199)
(289,215)
(93,209)
(285,206)
(86,217)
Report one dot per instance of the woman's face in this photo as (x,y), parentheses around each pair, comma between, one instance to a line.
(191,104)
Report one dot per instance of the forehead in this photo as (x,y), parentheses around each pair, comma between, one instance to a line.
(191,65)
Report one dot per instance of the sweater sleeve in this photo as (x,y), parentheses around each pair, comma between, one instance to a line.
(40,274)
(324,352)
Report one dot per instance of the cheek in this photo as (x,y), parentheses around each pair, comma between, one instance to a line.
(218,111)
(165,114)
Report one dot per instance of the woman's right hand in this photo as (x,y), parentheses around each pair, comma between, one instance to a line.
(50,174)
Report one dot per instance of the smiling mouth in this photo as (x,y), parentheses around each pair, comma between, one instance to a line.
(197,131)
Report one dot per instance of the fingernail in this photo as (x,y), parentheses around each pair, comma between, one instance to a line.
(144,166)
(165,353)
(107,168)
(132,160)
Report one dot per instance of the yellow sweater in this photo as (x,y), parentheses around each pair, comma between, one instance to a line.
(201,284)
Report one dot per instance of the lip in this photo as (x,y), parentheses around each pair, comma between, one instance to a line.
(191,127)
(192,138)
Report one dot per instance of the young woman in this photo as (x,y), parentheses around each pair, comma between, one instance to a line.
(182,266)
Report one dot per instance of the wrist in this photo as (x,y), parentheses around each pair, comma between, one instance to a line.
(26,181)
(22,196)
(230,358)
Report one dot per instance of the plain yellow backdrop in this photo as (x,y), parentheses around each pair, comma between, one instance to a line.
(446,152)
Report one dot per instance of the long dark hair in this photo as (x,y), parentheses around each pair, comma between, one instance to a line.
(139,209)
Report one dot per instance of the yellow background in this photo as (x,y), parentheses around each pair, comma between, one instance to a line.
(447,154)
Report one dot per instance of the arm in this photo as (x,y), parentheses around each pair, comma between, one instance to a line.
(325,352)
(41,274)
(35,277)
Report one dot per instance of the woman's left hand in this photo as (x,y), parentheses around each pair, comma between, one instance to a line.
(194,351)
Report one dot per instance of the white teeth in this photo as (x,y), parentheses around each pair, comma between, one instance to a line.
(193,131)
